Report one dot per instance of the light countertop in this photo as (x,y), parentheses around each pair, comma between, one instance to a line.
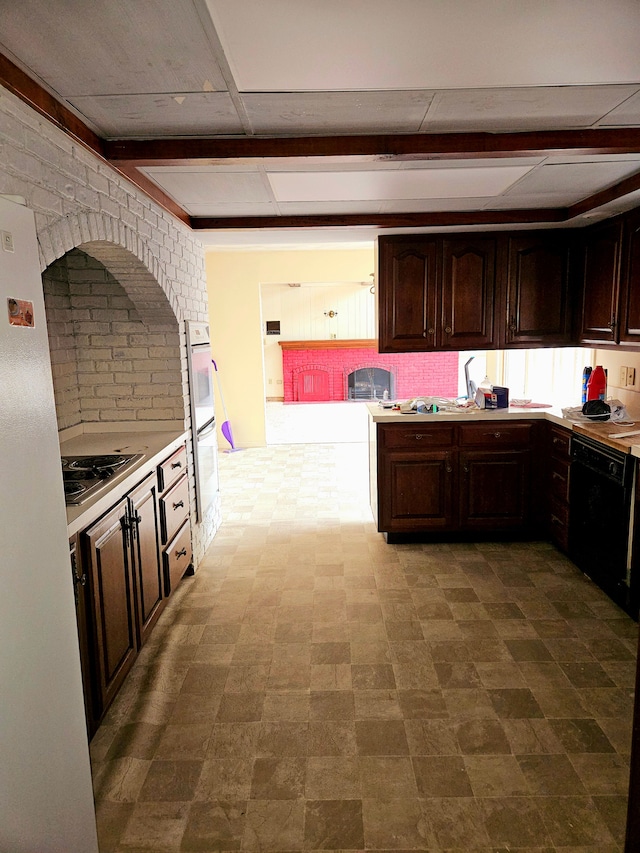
(598,431)
(154,444)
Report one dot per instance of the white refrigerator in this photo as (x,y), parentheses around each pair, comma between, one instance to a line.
(46,800)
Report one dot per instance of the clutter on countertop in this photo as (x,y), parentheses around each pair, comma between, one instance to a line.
(617,412)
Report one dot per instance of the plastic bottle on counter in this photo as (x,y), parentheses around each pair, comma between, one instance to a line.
(597,384)
(586,373)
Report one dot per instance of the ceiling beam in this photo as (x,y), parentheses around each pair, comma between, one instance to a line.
(622,188)
(382,220)
(422,146)
(31,92)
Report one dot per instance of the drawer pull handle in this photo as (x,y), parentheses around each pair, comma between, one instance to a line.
(176,464)
(497,434)
(178,505)
(419,436)
(181,553)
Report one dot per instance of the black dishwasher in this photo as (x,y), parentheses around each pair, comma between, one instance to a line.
(600,496)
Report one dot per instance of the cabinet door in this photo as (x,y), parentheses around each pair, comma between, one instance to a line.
(146,556)
(416,491)
(630,295)
(107,561)
(406,294)
(467,293)
(494,489)
(80,589)
(601,281)
(538,306)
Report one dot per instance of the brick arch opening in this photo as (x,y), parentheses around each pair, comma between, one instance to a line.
(120,249)
(114,339)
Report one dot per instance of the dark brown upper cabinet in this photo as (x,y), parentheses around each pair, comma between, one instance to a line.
(630,288)
(602,254)
(538,294)
(468,290)
(407,293)
(436,293)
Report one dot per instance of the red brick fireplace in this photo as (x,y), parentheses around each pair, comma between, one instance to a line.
(355,370)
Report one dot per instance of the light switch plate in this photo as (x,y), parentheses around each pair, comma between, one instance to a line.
(7,241)
(631,376)
(623,377)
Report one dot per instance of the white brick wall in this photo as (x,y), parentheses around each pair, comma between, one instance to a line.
(157,263)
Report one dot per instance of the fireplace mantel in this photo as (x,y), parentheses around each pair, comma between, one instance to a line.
(354,343)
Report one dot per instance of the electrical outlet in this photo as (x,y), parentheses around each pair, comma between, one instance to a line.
(7,241)
(631,376)
(623,377)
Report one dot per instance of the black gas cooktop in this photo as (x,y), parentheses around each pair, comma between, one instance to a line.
(85,476)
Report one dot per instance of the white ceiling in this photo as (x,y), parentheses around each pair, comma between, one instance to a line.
(234,69)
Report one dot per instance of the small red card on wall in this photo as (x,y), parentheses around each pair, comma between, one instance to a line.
(20,312)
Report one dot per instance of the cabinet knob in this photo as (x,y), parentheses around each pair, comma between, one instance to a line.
(448,330)
(419,436)
(431,331)
(497,435)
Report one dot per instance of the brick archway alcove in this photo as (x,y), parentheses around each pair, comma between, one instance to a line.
(315,371)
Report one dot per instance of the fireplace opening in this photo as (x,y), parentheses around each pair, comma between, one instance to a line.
(370,383)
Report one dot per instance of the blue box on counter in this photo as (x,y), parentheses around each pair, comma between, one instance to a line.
(497,399)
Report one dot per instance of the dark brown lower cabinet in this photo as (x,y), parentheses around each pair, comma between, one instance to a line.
(559,460)
(121,559)
(456,479)
(80,590)
(417,491)
(108,563)
(494,490)
(147,565)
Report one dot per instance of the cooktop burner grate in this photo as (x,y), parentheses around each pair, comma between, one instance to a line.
(86,475)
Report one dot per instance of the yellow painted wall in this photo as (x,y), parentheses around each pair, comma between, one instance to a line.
(233,281)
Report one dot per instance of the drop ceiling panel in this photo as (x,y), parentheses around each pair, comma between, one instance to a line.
(206,187)
(312,208)
(381,185)
(434,205)
(113,47)
(213,208)
(626,114)
(123,116)
(525,201)
(303,45)
(525,108)
(573,178)
(337,112)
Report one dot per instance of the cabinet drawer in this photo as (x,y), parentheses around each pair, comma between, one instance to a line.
(172,469)
(176,558)
(559,479)
(559,523)
(498,435)
(560,442)
(174,508)
(413,437)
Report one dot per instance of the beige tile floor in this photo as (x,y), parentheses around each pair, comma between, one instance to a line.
(315,688)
